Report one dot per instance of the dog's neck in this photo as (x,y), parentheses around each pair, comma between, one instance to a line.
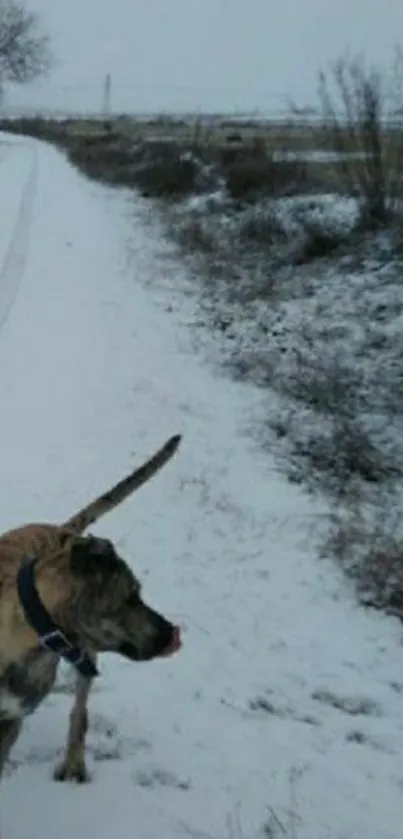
(55,590)
(52,630)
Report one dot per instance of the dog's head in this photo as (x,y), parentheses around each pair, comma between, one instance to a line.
(109,611)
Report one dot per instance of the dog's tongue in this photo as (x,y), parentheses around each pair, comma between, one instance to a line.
(175,642)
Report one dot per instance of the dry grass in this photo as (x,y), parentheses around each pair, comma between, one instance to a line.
(150,154)
(370,549)
(124,152)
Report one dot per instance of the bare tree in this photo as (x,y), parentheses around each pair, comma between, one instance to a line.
(360,108)
(25,51)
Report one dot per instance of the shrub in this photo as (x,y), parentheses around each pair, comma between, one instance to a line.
(261,226)
(330,444)
(370,549)
(358,108)
(168,178)
(250,178)
(318,241)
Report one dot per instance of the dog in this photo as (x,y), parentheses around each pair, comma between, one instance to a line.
(64,595)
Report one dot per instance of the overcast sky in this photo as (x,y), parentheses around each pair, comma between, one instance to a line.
(204,54)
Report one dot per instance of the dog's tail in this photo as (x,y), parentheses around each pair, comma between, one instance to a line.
(106,502)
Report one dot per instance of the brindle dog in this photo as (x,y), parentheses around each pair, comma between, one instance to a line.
(94,599)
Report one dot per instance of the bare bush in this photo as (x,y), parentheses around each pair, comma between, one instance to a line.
(261,227)
(323,381)
(359,110)
(168,178)
(333,458)
(370,549)
(331,443)
(194,237)
(250,177)
(317,242)
(38,127)
(24,49)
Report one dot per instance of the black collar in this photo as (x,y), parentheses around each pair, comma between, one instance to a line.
(50,636)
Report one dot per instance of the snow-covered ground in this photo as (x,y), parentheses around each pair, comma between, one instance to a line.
(285,706)
(299,297)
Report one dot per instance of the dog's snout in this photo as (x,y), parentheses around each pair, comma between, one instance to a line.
(151,636)
(164,634)
(175,643)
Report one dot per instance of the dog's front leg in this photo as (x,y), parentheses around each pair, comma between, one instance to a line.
(72,767)
(9,731)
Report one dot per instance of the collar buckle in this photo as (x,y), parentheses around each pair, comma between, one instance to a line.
(55,641)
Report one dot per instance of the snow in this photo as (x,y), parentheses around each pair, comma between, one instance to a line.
(284,707)
(318,156)
(315,328)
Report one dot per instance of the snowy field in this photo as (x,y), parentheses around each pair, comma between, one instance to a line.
(283,714)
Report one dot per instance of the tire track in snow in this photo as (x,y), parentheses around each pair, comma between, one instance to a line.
(14,262)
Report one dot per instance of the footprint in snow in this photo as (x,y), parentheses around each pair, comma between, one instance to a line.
(363,739)
(262,705)
(152,778)
(352,705)
(106,742)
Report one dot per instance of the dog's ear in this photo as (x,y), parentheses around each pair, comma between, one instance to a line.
(91,556)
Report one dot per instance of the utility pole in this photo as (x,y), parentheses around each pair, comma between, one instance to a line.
(106,106)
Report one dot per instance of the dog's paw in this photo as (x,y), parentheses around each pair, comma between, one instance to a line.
(74,773)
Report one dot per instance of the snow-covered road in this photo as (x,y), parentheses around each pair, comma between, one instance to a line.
(286,698)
